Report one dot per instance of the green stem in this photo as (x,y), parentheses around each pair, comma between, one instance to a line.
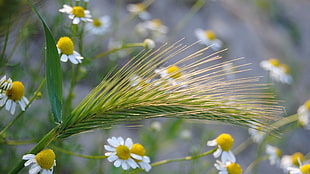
(5,42)
(195,8)
(75,154)
(187,158)
(22,112)
(130,45)
(285,120)
(45,141)
(254,163)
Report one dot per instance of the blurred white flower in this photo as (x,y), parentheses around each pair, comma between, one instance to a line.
(303,113)
(208,38)
(153,29)
(274,154)
(278,72)
(99,26)
(140,10)
(293,160)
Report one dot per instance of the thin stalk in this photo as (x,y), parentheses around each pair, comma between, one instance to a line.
(195,8)
(187,158)
(75,154)
(130,45)
(22,112)
(254,163)
(45,141)
(5,42)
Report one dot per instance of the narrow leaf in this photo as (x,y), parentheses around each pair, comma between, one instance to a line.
(53,71)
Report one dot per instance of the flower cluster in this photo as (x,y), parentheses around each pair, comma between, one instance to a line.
(227,165)
(277,71)
(127,154)
(12,93)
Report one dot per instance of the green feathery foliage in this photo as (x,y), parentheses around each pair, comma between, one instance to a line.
(201,92)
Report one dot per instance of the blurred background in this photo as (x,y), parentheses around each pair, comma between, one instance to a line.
(255,29)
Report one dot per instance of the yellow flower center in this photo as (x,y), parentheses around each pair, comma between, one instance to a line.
(123,152)
(285,68)
(297,156)
(225,141)
(157,22)
(97,23)
(307,104)
(138,149)
(174,72)
(65,45)
(46,158)
(140,7)
(278,152)
(305,169)
(16,92)
(78,11)
(274,62)
(234,168)
(210,34)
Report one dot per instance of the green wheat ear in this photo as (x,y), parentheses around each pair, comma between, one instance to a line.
(200,92)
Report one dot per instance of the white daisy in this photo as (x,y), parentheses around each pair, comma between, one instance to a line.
(278,72)
(5,84)
(293,160)
(138,152)
(172,75)
(224,143)
(149,44)
(228,168)
(99,26)
(208,38)
(120,153)
(256,134)
(274,154)
(66,50)
(303,113)
(153,29)
(303,169)
(140,10)
(14,96)
(76,13)
(42,163)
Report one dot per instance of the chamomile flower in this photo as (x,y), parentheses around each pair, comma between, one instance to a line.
(224,143)
(274,154)
(76,13)
(138,154)
(304,115)
(5,84)
(303,169)
(43,162)
(154,29)
(172,75)
(293,160)
(228,168)
(277,71)
(256,134)
(140,10)
(120,153)
(66,50)
(15,95)
(208,38)
(138,82)
(99,26)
